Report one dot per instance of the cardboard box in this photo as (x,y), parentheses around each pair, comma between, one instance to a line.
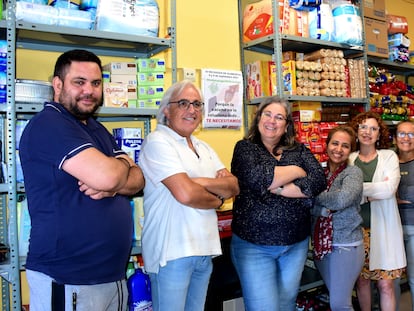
(289,77)
(150,92)
(130,79)
(399,39)
(258,20)
(149,103)
(150,78)
(306,111)
(374,9)
(130,140)
(118,68)
(376,37)
(151,64)
(132,146)
(127,132)
(258,76)
(115,95)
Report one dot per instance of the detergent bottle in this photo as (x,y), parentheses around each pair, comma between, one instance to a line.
(139,289)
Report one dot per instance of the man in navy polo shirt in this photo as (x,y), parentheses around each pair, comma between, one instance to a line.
(77,182)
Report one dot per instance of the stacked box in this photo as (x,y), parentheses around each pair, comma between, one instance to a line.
(399,47)
(289,77)
(258,20)
(130,141)
(374,9)
(127,68)
(115,95)
(130,80)
(150,82)
(123,73)
(259,74)
(306,111)
(376,37)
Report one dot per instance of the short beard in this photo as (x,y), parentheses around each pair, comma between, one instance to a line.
(74,110)
(82,116)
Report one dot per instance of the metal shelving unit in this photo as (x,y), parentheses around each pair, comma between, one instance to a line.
(22,35)
(275,44)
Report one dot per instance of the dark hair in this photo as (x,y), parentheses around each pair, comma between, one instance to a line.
(346,129)
(287,141)
(383,141)
(66,59)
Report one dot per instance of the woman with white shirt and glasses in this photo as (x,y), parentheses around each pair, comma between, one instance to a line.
(383,238)
(405,149)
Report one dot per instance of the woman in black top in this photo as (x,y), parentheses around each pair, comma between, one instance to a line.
(278,180)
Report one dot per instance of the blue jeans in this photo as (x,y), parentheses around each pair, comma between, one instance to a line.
(182,284)
(269,275)
(409,250)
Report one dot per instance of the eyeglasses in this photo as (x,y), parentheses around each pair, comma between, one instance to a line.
(184,104)
(403,134)
(276,117)
(364,127)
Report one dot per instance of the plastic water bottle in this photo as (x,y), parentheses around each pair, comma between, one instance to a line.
(139,289)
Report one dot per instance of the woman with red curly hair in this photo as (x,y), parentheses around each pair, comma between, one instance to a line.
(383,237)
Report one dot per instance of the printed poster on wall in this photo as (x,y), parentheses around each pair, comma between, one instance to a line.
(223,98)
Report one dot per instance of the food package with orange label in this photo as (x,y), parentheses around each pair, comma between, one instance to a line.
(308,133)
(258,20)
(397,24)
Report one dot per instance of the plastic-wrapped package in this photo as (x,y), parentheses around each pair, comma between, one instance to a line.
(304,5)
(141,18)
(397,24)
(75,18)
(36,13)
(321,24)
(348,24)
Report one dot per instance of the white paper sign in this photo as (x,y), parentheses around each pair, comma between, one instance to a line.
(223,97)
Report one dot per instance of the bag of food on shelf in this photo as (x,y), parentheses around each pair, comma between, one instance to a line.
(140,18)
(348,24)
